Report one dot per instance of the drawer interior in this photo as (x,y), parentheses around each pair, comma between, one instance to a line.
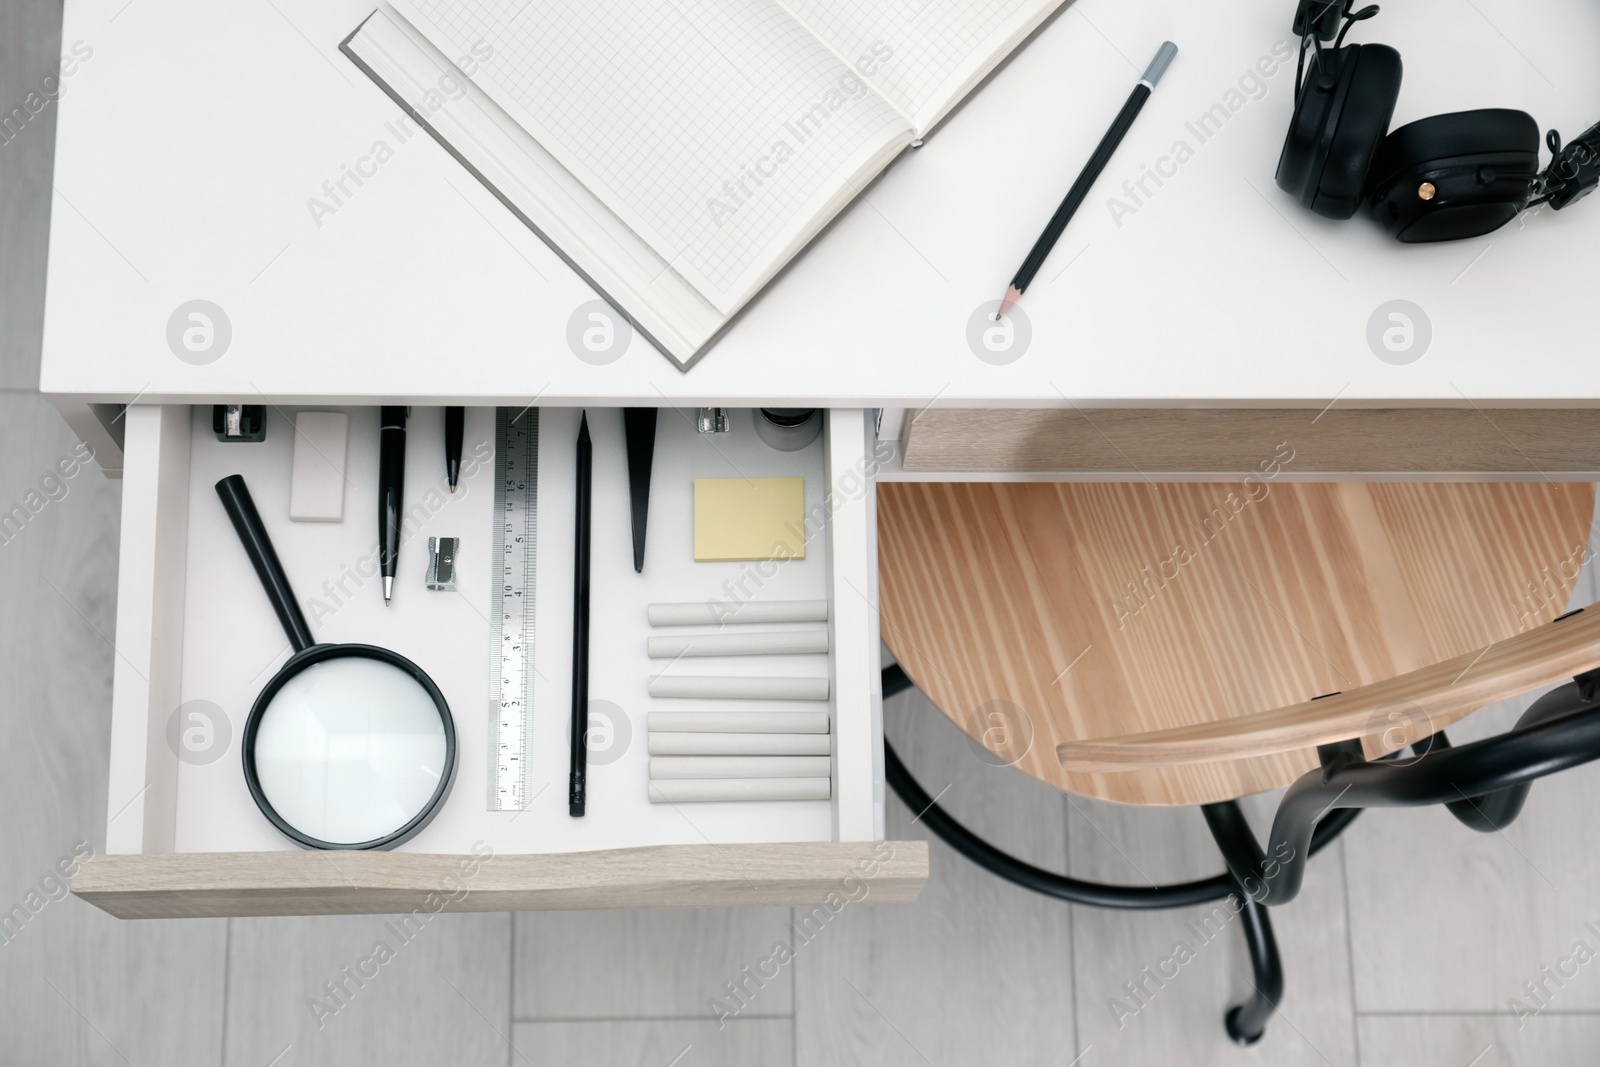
(196,633)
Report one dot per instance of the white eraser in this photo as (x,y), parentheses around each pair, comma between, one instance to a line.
(316,484)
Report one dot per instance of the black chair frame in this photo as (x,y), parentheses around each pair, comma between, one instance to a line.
(1483,784)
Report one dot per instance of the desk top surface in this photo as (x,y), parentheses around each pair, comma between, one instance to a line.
(193,136)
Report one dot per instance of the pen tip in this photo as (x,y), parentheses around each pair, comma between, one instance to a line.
(452,487)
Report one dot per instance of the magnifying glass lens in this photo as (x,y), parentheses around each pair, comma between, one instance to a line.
(350,749)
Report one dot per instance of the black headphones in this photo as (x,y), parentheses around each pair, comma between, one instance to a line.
(1437,179)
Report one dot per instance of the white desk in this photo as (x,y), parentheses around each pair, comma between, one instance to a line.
(191,136)
(190,141)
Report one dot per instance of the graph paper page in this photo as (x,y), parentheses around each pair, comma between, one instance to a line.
(718,132)
(920,54)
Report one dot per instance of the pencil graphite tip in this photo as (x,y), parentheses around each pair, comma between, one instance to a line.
(1009,301)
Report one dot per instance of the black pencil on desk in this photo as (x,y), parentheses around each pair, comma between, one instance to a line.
(577,782)
(1091,172)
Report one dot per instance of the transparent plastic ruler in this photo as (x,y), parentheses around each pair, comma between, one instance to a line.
(511,607)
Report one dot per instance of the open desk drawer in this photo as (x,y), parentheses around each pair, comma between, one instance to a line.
(196,641)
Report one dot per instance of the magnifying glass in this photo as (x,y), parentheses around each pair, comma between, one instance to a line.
(348,746)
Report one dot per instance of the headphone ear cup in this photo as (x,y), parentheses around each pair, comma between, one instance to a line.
(1340,118)
(1458,175)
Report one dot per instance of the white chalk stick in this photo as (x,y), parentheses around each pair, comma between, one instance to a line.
(667,767)
(724,613)
(692,687)
(696,790)
(746,643)
(739,722)
(739,744)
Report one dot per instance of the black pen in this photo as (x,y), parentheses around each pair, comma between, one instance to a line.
(391,481)
(1091,171)
(577,781)
(455,422)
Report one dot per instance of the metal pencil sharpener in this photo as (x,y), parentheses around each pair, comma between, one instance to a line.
(442,563)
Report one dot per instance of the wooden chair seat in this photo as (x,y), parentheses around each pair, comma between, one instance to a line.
(1038,615)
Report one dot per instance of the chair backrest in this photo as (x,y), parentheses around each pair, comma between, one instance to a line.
(1385,716)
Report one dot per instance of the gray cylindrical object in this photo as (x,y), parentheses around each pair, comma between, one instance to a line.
(669,767)
(1158,66)
(725,613)
(740,643)
(788,429)
(739,744)
(739,722)
(715,687)
(694,790)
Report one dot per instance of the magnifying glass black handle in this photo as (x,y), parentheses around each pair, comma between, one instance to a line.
(258,546)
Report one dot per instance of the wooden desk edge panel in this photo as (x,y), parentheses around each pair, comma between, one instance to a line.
(1559,442)
(217,884)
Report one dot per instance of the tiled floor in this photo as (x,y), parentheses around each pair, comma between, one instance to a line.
(1410,947)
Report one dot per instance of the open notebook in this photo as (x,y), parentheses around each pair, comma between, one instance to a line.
(678,154)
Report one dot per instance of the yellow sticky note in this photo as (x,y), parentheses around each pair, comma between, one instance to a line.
(749,519)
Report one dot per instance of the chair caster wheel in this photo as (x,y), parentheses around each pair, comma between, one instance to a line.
(1240,1038)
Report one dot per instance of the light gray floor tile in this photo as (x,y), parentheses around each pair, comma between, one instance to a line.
(1447,919)
(75,984)
(1479,1041)
(80,987)
(648,963)
(976,971)
(30,39)
(656,1043)
(1176,1016)
(393,990)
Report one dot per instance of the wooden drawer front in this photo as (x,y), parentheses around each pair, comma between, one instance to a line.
(183,836)
(207,884)
(1501,441)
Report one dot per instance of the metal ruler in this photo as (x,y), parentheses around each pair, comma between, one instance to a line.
(511,606)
